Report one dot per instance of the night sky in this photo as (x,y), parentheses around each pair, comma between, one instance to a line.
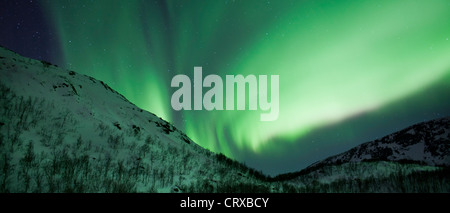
(350,71)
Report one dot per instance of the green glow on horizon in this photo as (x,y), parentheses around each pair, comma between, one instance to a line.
(362,64)
(335,59)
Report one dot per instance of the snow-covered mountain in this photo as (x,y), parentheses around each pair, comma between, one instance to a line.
(415,159)
(425,143)
(64,131)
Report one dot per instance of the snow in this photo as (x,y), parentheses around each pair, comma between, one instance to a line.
(411,131)
(416,152)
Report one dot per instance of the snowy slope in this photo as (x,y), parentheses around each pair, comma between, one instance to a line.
(427,143)
(63,131)
(89,99)
(415,159)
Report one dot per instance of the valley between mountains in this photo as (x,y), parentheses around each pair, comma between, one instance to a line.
(61,131)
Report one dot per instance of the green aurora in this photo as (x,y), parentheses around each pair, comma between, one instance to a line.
(336,60)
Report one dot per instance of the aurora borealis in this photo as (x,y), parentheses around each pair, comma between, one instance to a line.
(348,70)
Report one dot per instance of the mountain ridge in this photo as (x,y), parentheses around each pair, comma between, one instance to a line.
(425,142)
(399,148)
